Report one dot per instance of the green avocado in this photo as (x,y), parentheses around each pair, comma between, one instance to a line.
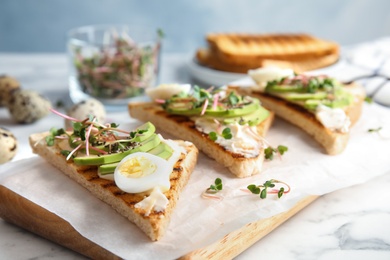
(252,119)
(162,150)
(108,168)
(185,111)
(235,112)
(305,96)
(339,102)
(284,88)
(143,132)
(101,159)
(144,146)
(219,112)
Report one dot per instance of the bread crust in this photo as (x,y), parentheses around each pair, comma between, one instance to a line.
(155,224)
(333,142)
(182,127)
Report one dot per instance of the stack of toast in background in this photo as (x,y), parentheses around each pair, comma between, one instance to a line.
(239,53)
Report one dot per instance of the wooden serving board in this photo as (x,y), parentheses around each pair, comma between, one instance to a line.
(24,213)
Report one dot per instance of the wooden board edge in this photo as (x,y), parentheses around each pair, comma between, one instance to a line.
(238,241)
(21,212)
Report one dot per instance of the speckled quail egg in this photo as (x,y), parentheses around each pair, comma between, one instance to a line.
(86,108)
(8,145)
(7,86)
(28,106)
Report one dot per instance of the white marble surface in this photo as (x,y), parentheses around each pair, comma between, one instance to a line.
(352,223)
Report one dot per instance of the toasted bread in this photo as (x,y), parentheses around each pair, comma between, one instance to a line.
(183,127)
(154,224)
(206,58)
(241,52)
(332,141)
(240,47)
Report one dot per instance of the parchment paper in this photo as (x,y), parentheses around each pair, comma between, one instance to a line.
(197,222)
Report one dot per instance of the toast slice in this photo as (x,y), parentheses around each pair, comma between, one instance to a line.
(153,224)
(333,142)
(206,57)
(239,53)
(238,48)
(184,127)
(242,156)
(209,59)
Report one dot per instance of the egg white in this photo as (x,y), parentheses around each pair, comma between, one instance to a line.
(263,75)
(165,91)
(146,181)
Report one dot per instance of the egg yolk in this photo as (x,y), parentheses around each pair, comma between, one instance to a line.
(137,167)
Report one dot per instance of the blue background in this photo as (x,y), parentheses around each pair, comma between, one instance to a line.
(41,25)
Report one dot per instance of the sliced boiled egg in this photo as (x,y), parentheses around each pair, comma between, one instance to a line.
(140,172)
(263,75)
(166,91)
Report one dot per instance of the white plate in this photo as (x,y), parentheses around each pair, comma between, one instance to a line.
(210,76)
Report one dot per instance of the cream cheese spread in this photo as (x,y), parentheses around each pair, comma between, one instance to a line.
(245,139)
(334,119)
(156,201)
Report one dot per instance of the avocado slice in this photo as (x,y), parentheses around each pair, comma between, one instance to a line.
(305,96)
(144,146)
(284,88)
(108,168)
(235,112)
(143,132)
(219,112)
(162,150)
(184,111)
(312,104)
(251,119)
(101,159)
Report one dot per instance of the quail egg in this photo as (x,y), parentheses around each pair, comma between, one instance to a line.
(7,86)
(28,106)
(8,146)
(86,108)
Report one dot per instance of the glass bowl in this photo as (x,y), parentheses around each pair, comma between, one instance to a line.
(112,63)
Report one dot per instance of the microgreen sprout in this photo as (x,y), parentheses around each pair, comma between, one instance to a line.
(213,136)
(382,132)
(263,190)
(88,135)
(210,192)
(226,134)
(233,98)
(139,132)
(217,186)
(270,151)
(65,153)
(371,130)
(368,100)
(60,104)
(53,133)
